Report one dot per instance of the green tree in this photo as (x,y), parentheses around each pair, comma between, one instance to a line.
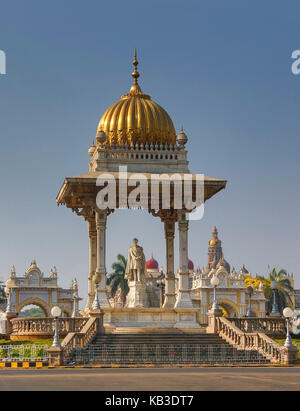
(284,291)
(117,280)
(35,312)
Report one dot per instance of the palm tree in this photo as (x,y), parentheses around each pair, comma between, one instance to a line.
(117,279)
(2,293)
(285,289)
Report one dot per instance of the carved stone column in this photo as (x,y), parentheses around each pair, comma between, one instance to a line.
(92,261)
(169,217)
(100,275)
(183,295)
(170,298)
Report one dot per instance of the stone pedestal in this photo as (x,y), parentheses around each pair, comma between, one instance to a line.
(55,356)
(289,355)
(99,315)
(8,325)
(211,320)
(137,296)
(150,320)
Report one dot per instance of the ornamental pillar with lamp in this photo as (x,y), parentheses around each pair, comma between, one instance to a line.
(215,310)
(289,350)
(56,350)
(249,292)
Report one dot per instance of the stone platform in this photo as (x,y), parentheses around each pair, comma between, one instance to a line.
(145,320)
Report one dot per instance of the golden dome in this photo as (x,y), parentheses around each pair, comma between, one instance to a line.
(215,242)
(135,118)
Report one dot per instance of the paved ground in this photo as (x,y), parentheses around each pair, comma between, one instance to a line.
(195,379)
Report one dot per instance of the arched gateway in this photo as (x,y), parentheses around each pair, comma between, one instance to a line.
(36,289)
(138,162)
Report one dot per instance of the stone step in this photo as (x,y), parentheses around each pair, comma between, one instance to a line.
(154,330)
(160,338)
(176,348)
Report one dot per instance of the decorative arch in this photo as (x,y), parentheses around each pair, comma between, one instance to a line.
(229,306)
(35,301)
(66,310)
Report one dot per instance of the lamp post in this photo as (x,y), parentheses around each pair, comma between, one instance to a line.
(275,311)
(215,282)
(56,312)
(288,313)
(249,292)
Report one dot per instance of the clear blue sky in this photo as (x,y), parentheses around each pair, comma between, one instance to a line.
(220,68)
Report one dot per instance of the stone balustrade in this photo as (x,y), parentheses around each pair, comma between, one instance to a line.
(275,327)
(81,338)
(270,348)
(38,328)
(161,155)
(254,340)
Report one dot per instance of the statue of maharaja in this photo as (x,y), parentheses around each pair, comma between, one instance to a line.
(136,264)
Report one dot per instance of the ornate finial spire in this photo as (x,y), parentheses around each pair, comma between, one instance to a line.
(135,88)
(135,73)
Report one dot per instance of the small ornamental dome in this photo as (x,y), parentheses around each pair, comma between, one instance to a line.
(190,265)
(100,137)
(152,264)
(135,118)
(182,138)
(10,283)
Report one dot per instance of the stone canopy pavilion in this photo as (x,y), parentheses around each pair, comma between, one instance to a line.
(137,149)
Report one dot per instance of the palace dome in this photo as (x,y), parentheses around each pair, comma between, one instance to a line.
(135,118)
(190,265)
(152,264)
(223,263)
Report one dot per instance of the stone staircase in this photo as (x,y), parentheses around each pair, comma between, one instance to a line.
(168,338)
(163,349)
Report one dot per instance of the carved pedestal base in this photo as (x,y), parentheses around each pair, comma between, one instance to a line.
(150,320)
(137,296)
(212,325)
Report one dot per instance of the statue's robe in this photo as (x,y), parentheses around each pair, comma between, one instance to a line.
(136,261)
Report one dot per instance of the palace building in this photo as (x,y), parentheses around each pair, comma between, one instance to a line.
(231,292)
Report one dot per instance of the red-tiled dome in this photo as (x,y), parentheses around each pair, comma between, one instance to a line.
(152,264)
(190,265)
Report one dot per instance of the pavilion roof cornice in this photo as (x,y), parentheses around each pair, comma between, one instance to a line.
(78,191)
